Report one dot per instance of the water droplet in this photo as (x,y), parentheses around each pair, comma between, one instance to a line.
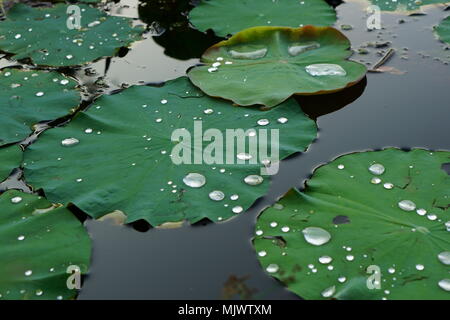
(272,268)
(444,257)
(282,120)
(329,292)
(273,224)
(341,167)
(234,197)
(350,257)
(28,273)
(375,180)
(295,50)
(16,199)
(388,185)
(407,205)
(444,284)
(88,130)
(325,259)
(39,94)
(447,225)
(69,56)
(163,101)
(256,54)
(158,120)
(263,122)
(18,36)
(39,292)
(194,180)
(342,279)
(20,238)
(316,236)
(432,217)
(59,297)
(64,82)
(259,232)
(208,111)
(237,209)
(285,229)
(212,69)
(325,69)
(377,169)
(391,270)
(216,195)
(216,64)
(421,212)
(244,156)
(262,253)
(420,267)
(69,142)
(253,180)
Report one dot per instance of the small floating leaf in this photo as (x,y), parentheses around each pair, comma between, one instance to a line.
(10,158)
(125,161)
(99,35)
(389,229)
(28,97)
(230,16)
(443,30)
(266,65)
(37,249)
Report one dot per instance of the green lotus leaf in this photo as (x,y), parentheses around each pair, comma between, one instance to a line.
(231,16)
(267,65)
(10,158)
(39,242)
(404,5)
(28,97)
(443,30)
(385,209)
(118,155)
(100,35)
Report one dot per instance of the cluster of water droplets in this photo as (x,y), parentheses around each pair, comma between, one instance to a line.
(217,64)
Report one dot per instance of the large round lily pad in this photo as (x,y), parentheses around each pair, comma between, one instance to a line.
(117,155)
(38,243)
(10,158)
(28,97)
(386,209)
(266,65)
(42,34)
(443,30)
(231,16)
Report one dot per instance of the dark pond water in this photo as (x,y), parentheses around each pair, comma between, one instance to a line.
(405,110)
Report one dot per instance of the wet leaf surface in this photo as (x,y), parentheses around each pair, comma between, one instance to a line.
(39,242)
(395,208)
(10,158)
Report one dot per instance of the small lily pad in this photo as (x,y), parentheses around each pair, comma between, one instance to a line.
(138,175)
(267,65)
(99,35)
(404,5)
(231,16)
(39,242)
(443,30)
(10,158)
(28,97)
(362,215)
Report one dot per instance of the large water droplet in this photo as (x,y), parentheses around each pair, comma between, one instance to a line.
(377,169)
(444,284)
(325,259)
(272,268)
(420,267)
(28,273)
(329,292)
(256,54)
(194,180)
(16,199)
(316,236)
(325,69)
(444,257)
(237,209)
(375,180)
(253,180)
(407,205)
(421,212)
(216,195)
(296,49)
(69,142)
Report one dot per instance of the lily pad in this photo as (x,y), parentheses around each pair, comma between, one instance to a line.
(404,5)
(28,97)
(118,155)
(443,30)
(38,243)
(385,209)
(10,158)
(231,16)
(267,65)
(100,35)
